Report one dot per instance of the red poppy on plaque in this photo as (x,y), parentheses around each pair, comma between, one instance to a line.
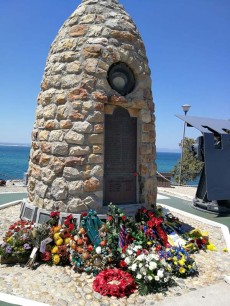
(135,174)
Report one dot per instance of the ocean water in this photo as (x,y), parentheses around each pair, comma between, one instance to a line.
(14,161)
(165,161)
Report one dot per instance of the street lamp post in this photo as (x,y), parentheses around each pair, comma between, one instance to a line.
(185,108)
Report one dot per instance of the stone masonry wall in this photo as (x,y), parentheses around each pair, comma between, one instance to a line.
(66,158)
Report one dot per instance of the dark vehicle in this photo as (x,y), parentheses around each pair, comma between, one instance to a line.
(2,182)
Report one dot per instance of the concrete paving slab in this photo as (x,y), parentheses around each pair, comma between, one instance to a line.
(213,295)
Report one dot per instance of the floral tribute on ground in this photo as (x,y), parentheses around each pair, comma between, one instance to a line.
(146,253)
(18,240)
(114,282)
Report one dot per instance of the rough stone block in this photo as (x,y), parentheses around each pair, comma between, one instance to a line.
(76,205)
(74,161)
(95,30)
(56,136)
(35,156)
(65,44)
(146,116)
(92,51)
(47,176)
(90,65)
(39,112)
(95,117)
(98,149)
(78,94)
(95,159)
(78,30)
(76,188)
(97,171)
(96,139)
(91,202)
(82,127)
(70,80)
(100,97)
(74,67)
(75,138)
(79,150)
(36,171)
(60,99)
(89,18)
(46,147)
(59,189)
(98,128)
(60,148)
(44,160)
(37,201)
(41,190)
(76,115)
(51,125)
(66,124)
(57,165)
(43,135)
(87,105)
(71,173)
(68,56)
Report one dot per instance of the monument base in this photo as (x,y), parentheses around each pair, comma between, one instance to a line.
(30,212)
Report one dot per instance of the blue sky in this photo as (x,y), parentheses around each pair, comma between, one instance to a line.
(187,43)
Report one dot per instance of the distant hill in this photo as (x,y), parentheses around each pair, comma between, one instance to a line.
(166,150)
(14,144)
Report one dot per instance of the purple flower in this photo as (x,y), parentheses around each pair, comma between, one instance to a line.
(3,244)
(8,250)
(27,246)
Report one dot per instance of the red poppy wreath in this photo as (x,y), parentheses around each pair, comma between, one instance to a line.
(114,282)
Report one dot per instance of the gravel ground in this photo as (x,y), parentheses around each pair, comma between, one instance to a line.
(61,286)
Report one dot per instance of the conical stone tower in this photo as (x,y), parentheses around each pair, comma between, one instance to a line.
(93,140)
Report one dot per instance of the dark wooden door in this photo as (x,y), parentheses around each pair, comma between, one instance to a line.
(120,157)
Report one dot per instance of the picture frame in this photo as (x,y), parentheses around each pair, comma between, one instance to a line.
(21,208)
(28,212)
(43,216)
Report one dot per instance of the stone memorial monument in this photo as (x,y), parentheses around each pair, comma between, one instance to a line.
(93,140)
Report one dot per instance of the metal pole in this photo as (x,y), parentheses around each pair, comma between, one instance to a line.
(182,154)
(185,108)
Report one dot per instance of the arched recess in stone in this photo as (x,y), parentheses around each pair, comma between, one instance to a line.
(120,158)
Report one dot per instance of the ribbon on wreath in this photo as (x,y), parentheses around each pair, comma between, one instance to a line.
(92,224)
(156,223)
(122,237)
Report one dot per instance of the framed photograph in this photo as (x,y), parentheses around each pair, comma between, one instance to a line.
(28,212)
(21,208)
(76,218)
(43,216)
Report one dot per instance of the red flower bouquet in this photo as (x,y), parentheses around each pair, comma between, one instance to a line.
(114,282)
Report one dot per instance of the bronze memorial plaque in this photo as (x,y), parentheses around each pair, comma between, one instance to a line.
(120,157)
